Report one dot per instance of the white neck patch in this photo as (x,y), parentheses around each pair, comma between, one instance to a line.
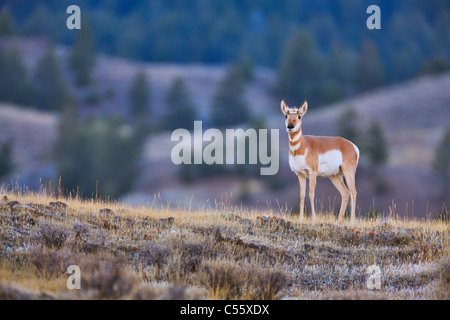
(296,137)
(294,148)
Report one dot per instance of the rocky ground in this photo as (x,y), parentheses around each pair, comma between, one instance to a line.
(215,253)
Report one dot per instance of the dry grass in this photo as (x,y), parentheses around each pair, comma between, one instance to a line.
(220,253)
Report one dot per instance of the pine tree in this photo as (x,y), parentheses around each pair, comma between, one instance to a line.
(347,126)
(340,63)
(139,94)
(40,23)
(14,81)
(50,87)
(229,107)
(300,73)
(435,65)
(441,163)
(97,152)
(376,146)
(181,112)
(6,22)
(6,163)
(67,145)
(340,71)
(245,68)
(369,67)
(82,56)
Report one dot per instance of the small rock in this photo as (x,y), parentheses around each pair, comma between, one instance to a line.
(13,203)
(58,204)
(106,211)
(167,221)
(107,225)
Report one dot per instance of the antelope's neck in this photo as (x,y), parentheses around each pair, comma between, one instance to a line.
(295,140)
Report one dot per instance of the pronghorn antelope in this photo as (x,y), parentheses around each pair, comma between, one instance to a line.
(312,157)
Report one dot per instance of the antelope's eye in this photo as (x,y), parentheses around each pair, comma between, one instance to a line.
(286,116)
(299,117)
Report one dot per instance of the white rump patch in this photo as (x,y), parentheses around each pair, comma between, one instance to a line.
(357,150)
(330,163)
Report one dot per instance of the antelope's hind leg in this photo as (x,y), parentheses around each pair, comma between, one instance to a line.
(338,182)
(350,180)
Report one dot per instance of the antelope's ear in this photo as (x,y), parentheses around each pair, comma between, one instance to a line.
(304,108)
(284,107)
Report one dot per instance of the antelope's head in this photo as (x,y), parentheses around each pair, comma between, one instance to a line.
(293,116)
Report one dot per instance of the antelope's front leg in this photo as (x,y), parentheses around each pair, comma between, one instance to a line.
(312,187)
(302,182)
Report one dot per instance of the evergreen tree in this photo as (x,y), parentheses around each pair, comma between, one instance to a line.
(40,23)
(67,145)
(376,146)
(341,64)
(139,94)
(98,152)
(181,112)
(301,70)
(164,30)
(245,68)
(82,56)
(369,67)
(6,22)
(400,61)
(50,89)
(229,107)
(441,163)
(435,65)
(347,126)
(6,163)
(14,82)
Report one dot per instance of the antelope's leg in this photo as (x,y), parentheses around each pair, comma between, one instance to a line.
(338,182)
(312,188)
(302,183)
(350,179)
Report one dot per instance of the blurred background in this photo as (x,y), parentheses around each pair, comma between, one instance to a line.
(90,112)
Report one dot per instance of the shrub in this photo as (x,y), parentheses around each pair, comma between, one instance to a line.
(53,236)
(232,280)
(49,263)
(106,278)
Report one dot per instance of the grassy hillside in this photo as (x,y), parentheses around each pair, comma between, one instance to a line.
(211,253)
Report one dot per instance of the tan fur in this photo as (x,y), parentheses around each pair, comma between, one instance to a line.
(313,147)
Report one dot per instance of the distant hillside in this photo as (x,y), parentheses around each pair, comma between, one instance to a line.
(33,134)
(413,115)
(113,76)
